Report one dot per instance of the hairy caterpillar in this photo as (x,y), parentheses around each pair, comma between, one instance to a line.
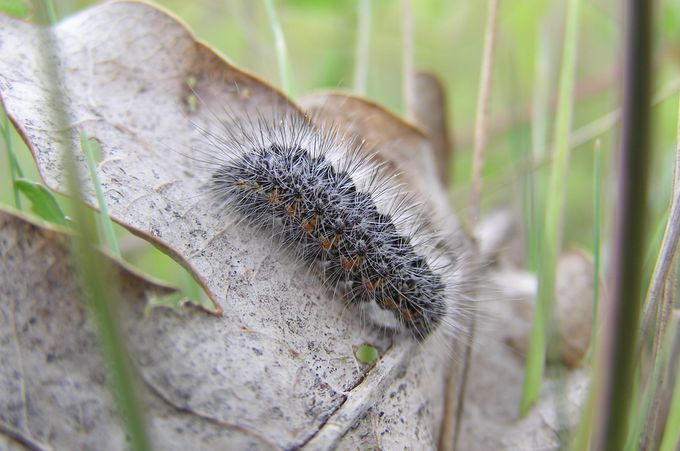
(325,197)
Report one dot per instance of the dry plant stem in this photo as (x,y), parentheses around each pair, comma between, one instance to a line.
(623,312)
(363,40)
(662,383)
(577,138)
(658,305)
(474,200)
(482,112)
(450,423)
(408,65)
(359,400)
(460,386)
(606,122)
(522,115)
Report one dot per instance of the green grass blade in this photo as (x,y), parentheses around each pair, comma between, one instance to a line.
(540,105)
(105,222)
(281,50)
(597,228)
(98,287)
(90,265)
(43,202)
(14,169)
(597,244)
(539,133)
(550,242)
(50,11)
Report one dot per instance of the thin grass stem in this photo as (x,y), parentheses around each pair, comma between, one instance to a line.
(474,201)
(281,50)
(362,49)
(105,222)
(541,99)
(550,242)
(597,232)
(482,112)
(14,169)
(539,136)
(409,73)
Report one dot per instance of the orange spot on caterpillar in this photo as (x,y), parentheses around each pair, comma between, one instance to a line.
(390,304)
(349,264)
(309,225)
(291,210)
(406,315)
(326,244)
(370,285)
(273,197)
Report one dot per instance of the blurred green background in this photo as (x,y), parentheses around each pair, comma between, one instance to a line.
(449,35)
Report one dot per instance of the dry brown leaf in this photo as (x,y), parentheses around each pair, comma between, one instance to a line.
(573,305)
(430,112)
(277,368)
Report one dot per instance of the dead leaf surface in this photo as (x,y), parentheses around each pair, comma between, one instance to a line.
(277,368)
(53,383)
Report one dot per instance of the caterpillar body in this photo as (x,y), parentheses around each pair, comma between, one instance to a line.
(324,196)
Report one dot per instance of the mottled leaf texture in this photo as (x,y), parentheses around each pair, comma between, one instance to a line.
(277,368)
